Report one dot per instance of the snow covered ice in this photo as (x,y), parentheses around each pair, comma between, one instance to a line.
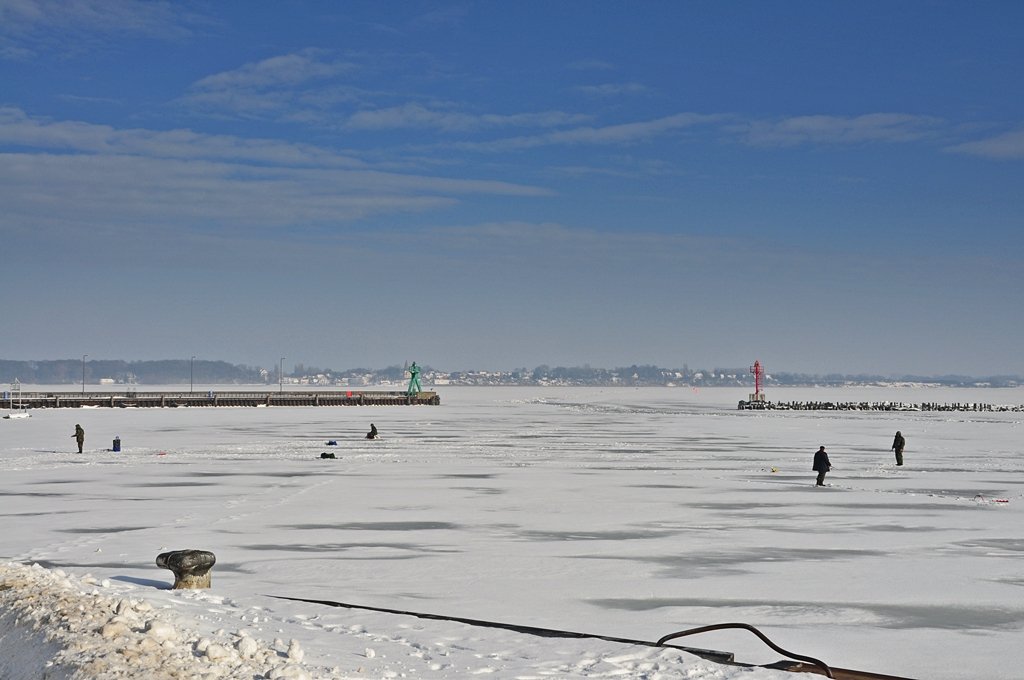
(622,512)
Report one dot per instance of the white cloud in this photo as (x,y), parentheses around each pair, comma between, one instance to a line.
(20,130)
(286,70)
(624,133)
(619,166)
(283,87)
(30,26)
(71,173)
(104,15)
(135,191)
(872,127)
(298,88)
(305,87)
(419,116)
(1009,145)
(612,89)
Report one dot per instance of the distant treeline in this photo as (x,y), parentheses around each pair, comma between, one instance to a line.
(165,371)
(179,371)
(715,377)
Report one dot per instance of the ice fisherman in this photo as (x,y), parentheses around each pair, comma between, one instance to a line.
(897,445)
(79,436)
(821,465)
(372,434)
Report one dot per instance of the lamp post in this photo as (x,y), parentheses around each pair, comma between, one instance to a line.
(191,366)
(280,376)
(83,372)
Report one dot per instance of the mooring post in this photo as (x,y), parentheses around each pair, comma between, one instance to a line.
(191,567)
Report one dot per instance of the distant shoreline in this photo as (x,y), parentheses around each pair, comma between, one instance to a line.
(176,372)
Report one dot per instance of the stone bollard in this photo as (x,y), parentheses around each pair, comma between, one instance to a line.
(191,567)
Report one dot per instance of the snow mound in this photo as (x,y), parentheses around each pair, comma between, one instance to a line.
(56,626)
(59,627)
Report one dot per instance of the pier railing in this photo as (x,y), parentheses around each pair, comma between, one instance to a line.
(38,400)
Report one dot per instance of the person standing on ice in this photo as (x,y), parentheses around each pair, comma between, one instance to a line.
(897,445)
(821,465)
(79,436)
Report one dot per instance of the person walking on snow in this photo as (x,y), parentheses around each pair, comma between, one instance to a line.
(897,445)
(79,436)
(821,465)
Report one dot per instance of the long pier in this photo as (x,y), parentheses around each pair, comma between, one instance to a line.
(876,406)
(39,400)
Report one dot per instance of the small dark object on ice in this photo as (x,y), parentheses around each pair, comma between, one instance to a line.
(331,442)
(327,455)
(372,434)
(191,567)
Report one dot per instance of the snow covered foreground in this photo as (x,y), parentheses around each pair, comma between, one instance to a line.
(630,513)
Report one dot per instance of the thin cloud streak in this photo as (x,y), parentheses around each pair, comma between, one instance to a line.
(303,88)
(21,130)
(248,155)
(837,130)
(797,131)
(135,191)
(283,87)
(284,70)
(419,116)
(624,133)
(95,190)
(28,27)
(1007,146)
(612,89)
(69,175)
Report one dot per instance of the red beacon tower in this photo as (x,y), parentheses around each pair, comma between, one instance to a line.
(758,370)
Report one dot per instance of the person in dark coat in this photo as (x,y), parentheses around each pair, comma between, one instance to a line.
(79,436)
(897,445)
(372,434)
(821,465)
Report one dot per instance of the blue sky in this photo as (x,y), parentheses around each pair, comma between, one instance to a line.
(824,186)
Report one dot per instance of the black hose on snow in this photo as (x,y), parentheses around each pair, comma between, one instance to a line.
(755,631)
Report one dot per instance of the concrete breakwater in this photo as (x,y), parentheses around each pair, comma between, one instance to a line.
(876,406)
(39,400)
